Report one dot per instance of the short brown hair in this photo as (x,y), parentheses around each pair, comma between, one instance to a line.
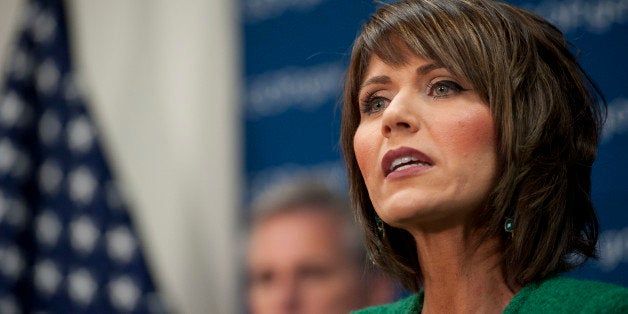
(547,118)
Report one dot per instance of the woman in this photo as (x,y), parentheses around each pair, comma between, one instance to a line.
(469,131)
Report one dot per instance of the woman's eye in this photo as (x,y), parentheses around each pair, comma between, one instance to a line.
(374,105)
(444,88)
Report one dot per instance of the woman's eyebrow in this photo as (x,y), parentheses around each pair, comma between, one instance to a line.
(383,79)
(427,68)
(376,80)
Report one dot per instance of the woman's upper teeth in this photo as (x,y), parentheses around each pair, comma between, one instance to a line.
(403,160)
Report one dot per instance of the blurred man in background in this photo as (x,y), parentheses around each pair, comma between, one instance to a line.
(305,254)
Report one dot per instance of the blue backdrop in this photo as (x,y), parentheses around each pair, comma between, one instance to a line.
(295,55)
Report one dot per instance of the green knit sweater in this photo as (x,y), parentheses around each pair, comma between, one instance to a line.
(555,295)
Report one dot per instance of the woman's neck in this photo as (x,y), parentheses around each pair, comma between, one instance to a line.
(460,275)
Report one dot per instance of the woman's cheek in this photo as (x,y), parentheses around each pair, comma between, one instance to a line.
(365,149)
(476,132)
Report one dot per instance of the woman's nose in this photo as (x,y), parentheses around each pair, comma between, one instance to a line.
(400,116)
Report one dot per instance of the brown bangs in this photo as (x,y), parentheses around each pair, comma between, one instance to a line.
(444,32)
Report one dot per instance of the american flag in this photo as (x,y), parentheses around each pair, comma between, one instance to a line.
(67,244)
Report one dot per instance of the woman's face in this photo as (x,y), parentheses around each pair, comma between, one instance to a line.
(425,144)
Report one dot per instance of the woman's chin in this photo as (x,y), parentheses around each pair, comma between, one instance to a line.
(421,216)
(406,214)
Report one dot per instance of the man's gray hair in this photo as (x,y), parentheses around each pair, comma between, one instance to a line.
(310,194)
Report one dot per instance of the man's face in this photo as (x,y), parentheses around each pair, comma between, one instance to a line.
(298,262)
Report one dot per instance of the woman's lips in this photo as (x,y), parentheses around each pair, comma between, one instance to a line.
(404,161)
